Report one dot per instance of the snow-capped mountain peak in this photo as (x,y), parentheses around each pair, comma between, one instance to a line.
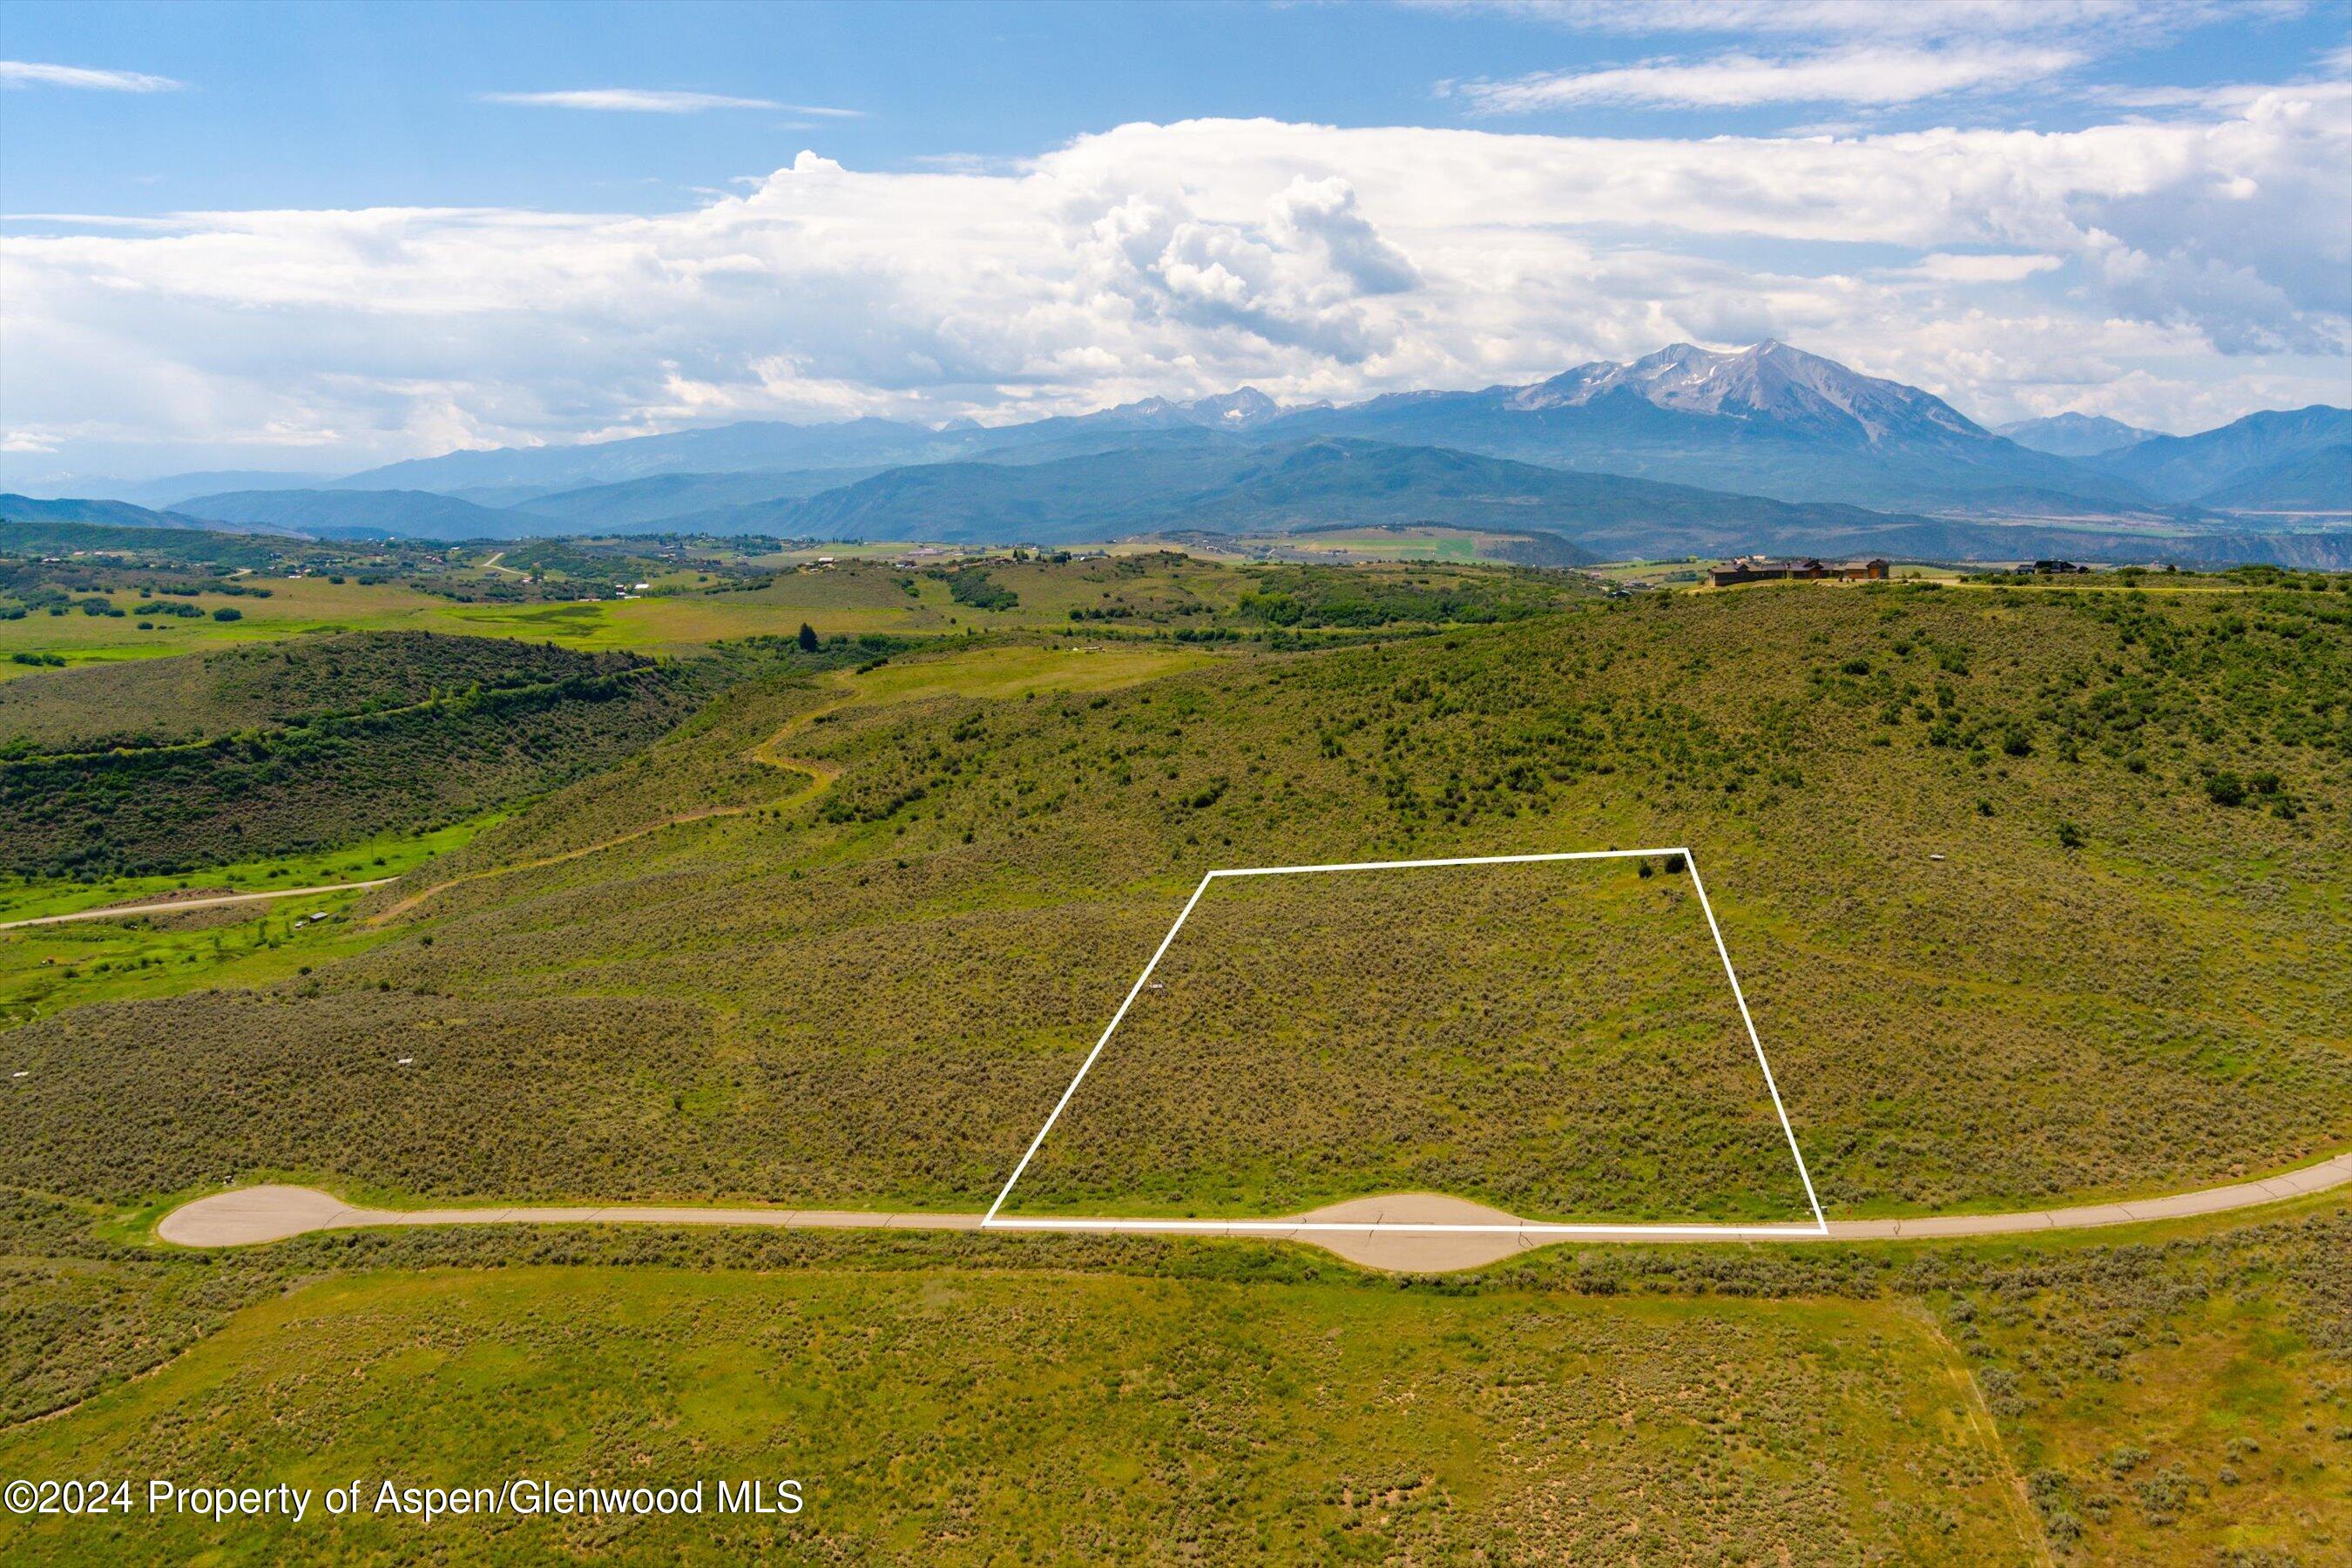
(1767,384)
(1235,410)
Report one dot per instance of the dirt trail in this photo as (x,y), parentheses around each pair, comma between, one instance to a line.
(174,906)
(1404,1232)
(822,776)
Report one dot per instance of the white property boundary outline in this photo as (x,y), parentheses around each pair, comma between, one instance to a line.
(1527,1227)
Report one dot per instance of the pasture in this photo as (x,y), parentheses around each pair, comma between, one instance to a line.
(945,1417)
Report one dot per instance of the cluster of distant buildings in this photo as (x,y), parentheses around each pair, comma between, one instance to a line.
(1768,569)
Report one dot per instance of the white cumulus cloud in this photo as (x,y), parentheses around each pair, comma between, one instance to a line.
(2200,262)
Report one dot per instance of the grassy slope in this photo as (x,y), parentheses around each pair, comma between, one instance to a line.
(2185,1401)
(363,861)
(2177,1393)
(852,1001)
(262,687)
(1525,995)
(937,1419)
(311,746)
(47,969)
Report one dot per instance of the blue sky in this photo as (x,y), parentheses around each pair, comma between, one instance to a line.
(324,236)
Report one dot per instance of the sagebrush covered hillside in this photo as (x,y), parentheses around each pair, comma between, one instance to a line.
(169,764)
(2125,972)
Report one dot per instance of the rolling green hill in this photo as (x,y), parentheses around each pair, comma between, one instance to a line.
(2138,800)
(26,537)
(305,744)
(263,686)
(2036,892)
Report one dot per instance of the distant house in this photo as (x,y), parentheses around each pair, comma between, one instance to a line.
(1765,569)
(2057,568)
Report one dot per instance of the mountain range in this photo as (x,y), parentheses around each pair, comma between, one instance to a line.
(1212,486)
(1769,420)
(2261,463)
(2073,435)
(105,513)
(1683,444)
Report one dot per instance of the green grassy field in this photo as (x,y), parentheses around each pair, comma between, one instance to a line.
(366,860)
(852,601)
(295,606)
(2186,1399)
(44,970)
(2172,1394)
(851,598)
(1123,593)
(933,1417)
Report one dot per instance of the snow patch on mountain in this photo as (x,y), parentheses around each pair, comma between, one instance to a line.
(1769,384)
